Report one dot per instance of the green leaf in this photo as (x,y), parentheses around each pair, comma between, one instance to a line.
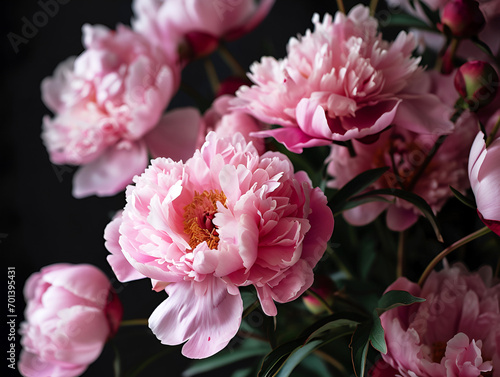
(354,186)
(251,348)
(432,15)
(297,356)
(405,20)
(359,347)
(273,361)
(410,197)
(283,359)
(393,299)
(483,46)
(465,200)
(377,338)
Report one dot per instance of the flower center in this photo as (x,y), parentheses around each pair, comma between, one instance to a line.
(438,350)
(198,218)
(405,159)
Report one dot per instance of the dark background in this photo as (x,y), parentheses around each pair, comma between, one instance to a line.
(40,222)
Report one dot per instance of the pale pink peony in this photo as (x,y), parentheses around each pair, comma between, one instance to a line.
(484,176)
(71,312)
(199,24)
(340,82)
(408,151)
(105,101)
(454,333)
(226,122)
(225,218)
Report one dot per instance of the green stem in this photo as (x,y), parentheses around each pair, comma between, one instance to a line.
(340,6)
(373,7)
(448,250)
(134,322)
(330,360)
(401,254)
(254,305)
(230,60)
(321,300)
(494,131)
(426,162)
(212,75)
(338,262)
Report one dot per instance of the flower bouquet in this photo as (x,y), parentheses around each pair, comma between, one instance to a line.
(331,211)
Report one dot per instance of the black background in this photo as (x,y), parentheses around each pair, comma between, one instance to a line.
(40,222)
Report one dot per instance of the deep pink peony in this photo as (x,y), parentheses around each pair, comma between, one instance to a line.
(454,333)
(199,24)
(225,218)
(226,122)
(340,82)
(484,176)
(407,150)
(71,311)
(105,101)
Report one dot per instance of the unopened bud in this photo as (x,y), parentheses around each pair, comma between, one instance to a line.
(323,287)
(231,85)
(476,82)
(200,44)
(462,18)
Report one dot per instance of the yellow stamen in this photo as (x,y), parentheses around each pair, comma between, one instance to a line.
(198,216)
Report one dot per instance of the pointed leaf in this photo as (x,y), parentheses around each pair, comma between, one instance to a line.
(465,200)
(405,20)
(224,358)
(377,338)
(412,198)
(359,348)
(393,299)
(354,186)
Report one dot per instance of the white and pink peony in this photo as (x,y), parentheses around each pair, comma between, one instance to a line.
(224,219)
(341,82)
(105,102)
(71,312)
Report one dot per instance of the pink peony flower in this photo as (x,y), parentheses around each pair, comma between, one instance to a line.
(225,218)
(407,150)
(197,24)
(71,312)
(226,122)
(340,82)
(105,101)
(484,176)
(455,332)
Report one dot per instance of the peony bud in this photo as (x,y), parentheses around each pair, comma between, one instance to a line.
(231,85)
(200,44)
(476,82)
(324,287)
(462,18)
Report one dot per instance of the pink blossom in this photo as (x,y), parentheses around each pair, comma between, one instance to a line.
(225,218)
(455,332)
(484,176)
(226,122)
(339,82)
(407,150)
(197,24)
(71,311)
(105,101)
